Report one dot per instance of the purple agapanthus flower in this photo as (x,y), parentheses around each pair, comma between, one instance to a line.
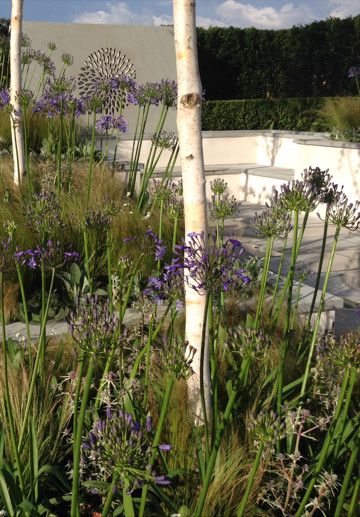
(108,122)
(51,255)
(160,248)
(210,266)
(4,98)
(354,71)
(119,442)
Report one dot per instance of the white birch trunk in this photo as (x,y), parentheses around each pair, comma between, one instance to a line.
(15,90)
(192,165)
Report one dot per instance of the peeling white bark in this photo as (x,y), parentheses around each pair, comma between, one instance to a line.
(15,90)
(192,165)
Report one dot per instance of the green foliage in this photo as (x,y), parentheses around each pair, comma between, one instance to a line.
(344,116)
(293,114)
(303,61)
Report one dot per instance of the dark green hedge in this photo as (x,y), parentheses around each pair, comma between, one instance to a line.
(294,114)
(304,61)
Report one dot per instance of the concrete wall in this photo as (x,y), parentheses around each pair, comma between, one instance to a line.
(275,149)
(151,49)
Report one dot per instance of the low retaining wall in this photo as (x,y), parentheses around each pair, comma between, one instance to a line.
(283,149)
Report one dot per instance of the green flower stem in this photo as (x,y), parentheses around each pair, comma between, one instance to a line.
(26,316)
(156,440)
(175,228)
(214,453)
(134,163)
(285,341)
(78,438)
(87,260)
(279,271)
(241,509)
(264,277)
(321,260)
(43,320)
(325,448)
(77,391)
(109,269)
(8,405)
(37,364)
(339,431)
(91,164)
(208,302)
(346,481)
(147,360)
(59,151)
(286,286)
(294,255)
(354,504)
(26,148)
(110,495)
(317,322)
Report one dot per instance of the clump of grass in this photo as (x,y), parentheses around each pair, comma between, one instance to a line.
(344,115)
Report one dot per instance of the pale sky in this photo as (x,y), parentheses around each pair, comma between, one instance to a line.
(264,14)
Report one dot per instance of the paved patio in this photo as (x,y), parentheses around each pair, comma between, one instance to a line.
(345,277)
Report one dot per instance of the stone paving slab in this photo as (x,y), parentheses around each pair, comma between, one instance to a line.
(345,279)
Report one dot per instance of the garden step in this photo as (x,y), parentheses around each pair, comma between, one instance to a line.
(250,182)
(17,330)
(339,321)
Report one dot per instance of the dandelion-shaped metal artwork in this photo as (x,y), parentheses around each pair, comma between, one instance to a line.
(107,73)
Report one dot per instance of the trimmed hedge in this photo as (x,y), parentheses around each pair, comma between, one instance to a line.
(304,61)
(295,114)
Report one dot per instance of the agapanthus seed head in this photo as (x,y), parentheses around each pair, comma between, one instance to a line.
(218,186)
(274,221)
(344,214)
(94,326)
(298,196)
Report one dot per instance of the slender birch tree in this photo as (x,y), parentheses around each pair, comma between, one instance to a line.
(192,166)
(17,136)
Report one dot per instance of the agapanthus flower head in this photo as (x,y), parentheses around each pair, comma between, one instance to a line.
(176,358)
(51,46)
(297,196)
(175,209)
(25,40)
(266,428)
(67,59)
(161,191)
(168,93)
(58,98)
(25,98)
(344,353)
(120,444)
(166,287)
(145,94)
(218,186)
(43,213)
(4,98)
(109,122)
(93,325)
(244,343)
(165,140)
(43,60)
(51,256)
(318,180)
(344,214)
(160,247)
(209,266)
(224,206)
(100,218)
(354,71)
(274,221)
(332,194)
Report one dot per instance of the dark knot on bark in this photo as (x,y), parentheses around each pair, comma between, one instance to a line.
(190,100)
